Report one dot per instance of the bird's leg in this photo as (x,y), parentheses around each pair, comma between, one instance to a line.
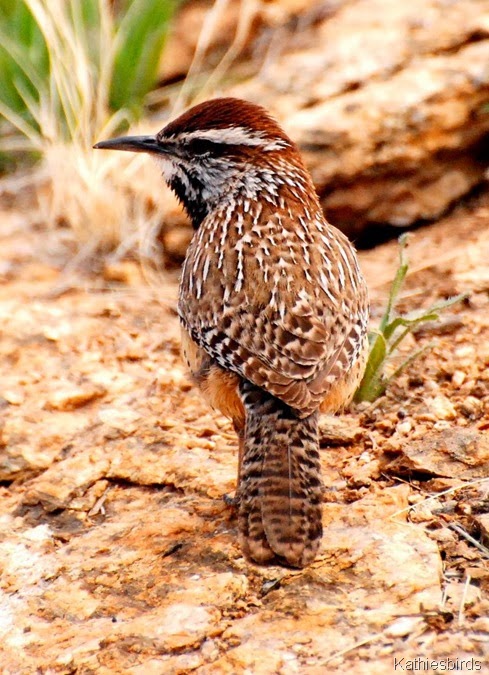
(239,429)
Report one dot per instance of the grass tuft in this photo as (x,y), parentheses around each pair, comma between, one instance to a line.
(74,72)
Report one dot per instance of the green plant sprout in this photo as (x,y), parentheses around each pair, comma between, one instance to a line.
(392,330)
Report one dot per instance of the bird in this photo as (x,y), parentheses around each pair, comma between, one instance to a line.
(273,310)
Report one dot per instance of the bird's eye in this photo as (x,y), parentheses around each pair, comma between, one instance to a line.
(202,146)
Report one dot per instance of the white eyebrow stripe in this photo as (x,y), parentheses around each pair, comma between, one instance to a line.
(236,136)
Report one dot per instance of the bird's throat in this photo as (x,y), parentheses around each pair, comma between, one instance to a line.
(189,194)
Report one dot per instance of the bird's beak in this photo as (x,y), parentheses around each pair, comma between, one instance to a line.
(132,144)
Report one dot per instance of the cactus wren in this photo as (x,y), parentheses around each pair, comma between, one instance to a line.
(273,309)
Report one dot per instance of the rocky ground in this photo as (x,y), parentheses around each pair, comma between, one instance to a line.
(117,551)
(118,554)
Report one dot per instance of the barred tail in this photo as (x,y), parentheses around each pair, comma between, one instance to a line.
(280,485)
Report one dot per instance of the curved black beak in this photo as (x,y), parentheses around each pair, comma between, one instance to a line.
(132,144)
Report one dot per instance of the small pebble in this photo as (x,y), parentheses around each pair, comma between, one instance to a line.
(123,419)
(13,397)
(72,398)
(471,407)
(443,535)
(463,352)
(441,425)
(209,650)
(442,408)
(458,378)
(403,626)
(404,427)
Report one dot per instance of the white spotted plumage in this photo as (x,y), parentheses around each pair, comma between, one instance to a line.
(273,308)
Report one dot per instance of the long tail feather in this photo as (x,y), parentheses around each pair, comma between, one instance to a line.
(280,485)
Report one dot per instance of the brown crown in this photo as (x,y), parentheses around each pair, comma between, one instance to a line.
(223,113)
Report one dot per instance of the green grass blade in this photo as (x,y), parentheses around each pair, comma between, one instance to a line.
(413,319)
(23,58)
(449,302)
(397,283)
(371,382)
(140,38)
(408,323)
(22,125)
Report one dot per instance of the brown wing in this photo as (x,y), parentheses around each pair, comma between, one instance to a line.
(292,356)
(284,327)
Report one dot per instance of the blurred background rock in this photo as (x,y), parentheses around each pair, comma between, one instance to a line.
(388,101)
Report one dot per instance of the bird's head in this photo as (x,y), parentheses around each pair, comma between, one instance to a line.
(217,149)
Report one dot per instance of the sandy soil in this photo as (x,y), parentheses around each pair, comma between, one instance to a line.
(118,554)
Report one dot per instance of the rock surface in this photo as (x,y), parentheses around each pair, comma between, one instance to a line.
(118,554)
